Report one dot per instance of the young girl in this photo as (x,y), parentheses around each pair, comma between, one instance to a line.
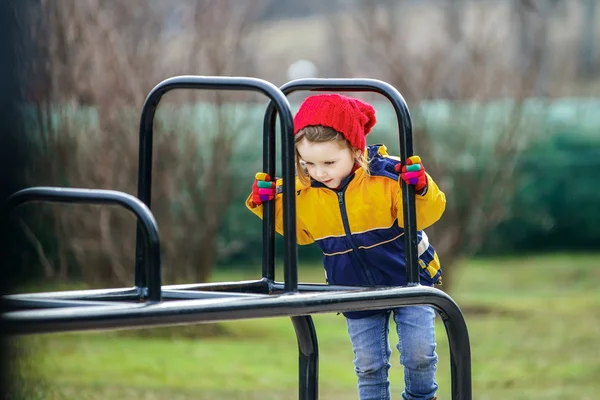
(349,202)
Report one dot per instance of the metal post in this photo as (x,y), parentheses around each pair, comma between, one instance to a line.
(268,225)
(308,360)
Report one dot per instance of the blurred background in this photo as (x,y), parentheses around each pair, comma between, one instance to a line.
(504,97)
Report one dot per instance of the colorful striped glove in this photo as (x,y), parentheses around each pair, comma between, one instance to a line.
(413,173)
(263,189)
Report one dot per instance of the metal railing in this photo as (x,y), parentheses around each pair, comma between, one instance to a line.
(85,310)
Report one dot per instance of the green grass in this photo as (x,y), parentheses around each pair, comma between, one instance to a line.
(534,324)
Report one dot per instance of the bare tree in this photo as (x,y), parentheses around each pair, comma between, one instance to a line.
(459,57)
(534,50)
(588,53)
(109,54)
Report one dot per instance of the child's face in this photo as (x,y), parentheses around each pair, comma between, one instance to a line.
(328,162)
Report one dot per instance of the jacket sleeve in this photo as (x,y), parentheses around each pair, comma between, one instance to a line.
(430,206)
(302,235)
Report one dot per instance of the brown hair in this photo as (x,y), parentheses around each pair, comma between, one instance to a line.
(323,134)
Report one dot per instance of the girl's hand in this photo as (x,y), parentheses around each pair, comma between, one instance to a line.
(413,173)
(263,189)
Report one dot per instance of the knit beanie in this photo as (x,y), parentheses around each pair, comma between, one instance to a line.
(351,117)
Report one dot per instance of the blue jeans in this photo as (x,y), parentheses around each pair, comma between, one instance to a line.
(416,344)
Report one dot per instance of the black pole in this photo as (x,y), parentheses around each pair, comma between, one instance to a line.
(405,139)
(150,244)
(280,103)
(127,294)
(308,360)
(268,224)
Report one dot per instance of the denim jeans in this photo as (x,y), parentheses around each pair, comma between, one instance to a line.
(416,344)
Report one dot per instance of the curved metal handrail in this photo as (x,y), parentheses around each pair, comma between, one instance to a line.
(150,245)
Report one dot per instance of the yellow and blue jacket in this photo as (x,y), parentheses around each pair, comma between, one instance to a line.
(359,226)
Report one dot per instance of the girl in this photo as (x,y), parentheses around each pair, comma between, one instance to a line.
(349,202)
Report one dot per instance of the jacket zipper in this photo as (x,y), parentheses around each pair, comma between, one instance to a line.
(363,267)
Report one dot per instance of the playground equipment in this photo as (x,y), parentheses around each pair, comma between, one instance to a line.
(148,303)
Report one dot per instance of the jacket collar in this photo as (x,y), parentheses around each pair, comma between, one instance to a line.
(375,149)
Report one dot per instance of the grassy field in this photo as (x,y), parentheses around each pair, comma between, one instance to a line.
(534,324)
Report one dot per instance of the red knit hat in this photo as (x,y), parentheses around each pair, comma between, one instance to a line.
(351,117)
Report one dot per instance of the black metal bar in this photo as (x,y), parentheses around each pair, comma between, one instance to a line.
(268,224)
(254,286)
(202,311)
(280,103)
(120,294)
(14,304)
(150,244)
(191,294)
(308,360)
(181,291)
(206,311)
(405,139)
(277,287)
(196,290)
(460,353)
(79,298)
